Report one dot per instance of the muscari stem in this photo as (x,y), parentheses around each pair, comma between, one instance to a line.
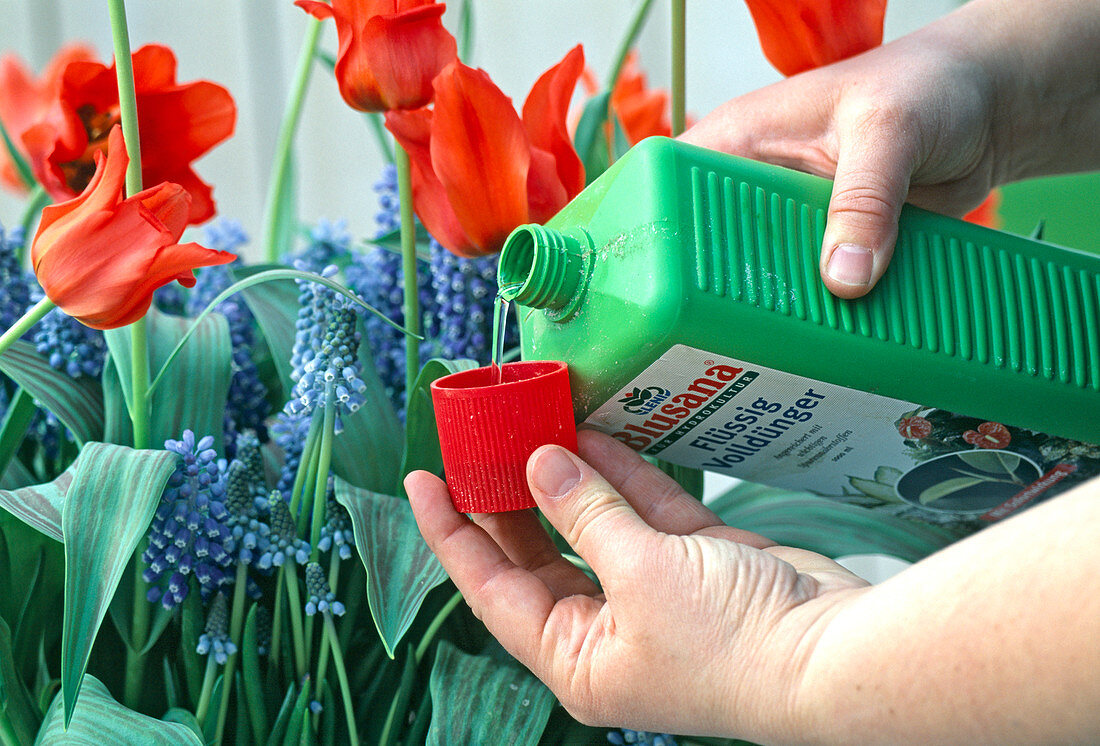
(305,461)
(208,678)
(235,623)
(433,628)
(411,305)
(280,170)
(679,13)
(294,601)
(275,656)
(324,463)
(342,675)
(333,578)
(306,502)
(33,315)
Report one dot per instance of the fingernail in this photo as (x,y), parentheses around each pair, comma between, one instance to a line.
(554,473)
(851,264)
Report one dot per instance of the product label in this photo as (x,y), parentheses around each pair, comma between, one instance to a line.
(698,409)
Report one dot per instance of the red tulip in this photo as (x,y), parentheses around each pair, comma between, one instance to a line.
(479,169)
(178,122)
(390,50)
(799,35)
(642,111)
(24,100)
(99,257)
(987,213)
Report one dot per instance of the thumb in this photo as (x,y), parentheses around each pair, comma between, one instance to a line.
(595,519)
(872,182)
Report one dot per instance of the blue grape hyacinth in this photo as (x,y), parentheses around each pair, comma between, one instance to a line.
(329,243)
(625,736)
(215,638)
(246,404)
(289,432)
(15,288)
(283,543)
(337,534)
(321,598)
(325,357)
(190,534)
(70,346)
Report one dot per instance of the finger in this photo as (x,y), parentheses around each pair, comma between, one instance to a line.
(524,540)
(658,498)
(512,602)
(874,166)
(594,518)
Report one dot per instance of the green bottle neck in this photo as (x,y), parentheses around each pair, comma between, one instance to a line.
(541,267)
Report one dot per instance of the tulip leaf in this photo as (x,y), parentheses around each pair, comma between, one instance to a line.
(391,241)
(367,453)
(39,506)
(107,509)
(193,379)
(590,137)
(485,699)
(826,526)
(17,159)
(421,435)
(401,569)
(77,402)
(99,719)
(14,427)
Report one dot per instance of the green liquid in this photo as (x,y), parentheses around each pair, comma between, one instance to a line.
(500,316)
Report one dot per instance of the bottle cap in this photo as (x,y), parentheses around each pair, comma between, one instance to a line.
(488,431)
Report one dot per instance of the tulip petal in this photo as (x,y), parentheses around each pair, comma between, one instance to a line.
(154,68)
(481,154)
(642,112)
(799,35)
(318,10)
(545,114)
(412,130)
(404,52)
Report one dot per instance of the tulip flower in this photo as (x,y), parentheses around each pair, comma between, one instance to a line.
(179,122)
(99,257)
(642,111)
(799,35)
(389,50)
(479,169)
(24,100)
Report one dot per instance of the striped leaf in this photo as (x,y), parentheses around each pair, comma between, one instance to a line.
(193,390)
(107,509)
(78,402)
(367,454)
(39,506)
(421,435)
(401,569)
(16,421)
(826,526)
(483,699)
(15,701)
(99,719)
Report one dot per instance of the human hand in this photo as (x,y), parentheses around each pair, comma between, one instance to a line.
(696,627)
(912,120)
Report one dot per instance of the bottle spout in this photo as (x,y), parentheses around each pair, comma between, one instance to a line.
(544,268)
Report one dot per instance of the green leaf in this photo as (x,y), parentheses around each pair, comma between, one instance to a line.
(401,569)
(285,218)
(15,700)
(946,487)
(887,475)
(994,462)
(107,509)
(590,137)
(121,610)
(391,241)
(421,435)
(193,389)
(16,420)
(826,526)
(367,452)
(78,402)
(99,719)
(33,570)
(39,506)
(278,730)
(253,685)
(185,718)
(874,489)
(298,716)
(483,699)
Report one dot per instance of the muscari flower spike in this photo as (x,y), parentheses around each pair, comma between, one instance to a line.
(250,534)
(329,243)
(190,532)
(284,544)
(326,351)
(15,287)
(289,432)
(377,276)
(321,597)
(640,738)
(337,533)
(215,638)
(246,405)
(68,345)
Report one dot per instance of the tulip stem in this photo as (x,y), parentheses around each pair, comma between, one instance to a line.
(408,269)
(628,41)
(22,168)
(33,315)
(280,171)
(679,26)
(37,199)
(127,96)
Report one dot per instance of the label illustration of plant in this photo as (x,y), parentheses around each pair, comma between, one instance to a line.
(967,481)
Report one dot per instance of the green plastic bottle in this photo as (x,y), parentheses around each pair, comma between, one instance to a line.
(682,289)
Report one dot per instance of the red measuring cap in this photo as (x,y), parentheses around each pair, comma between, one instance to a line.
(488,431)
